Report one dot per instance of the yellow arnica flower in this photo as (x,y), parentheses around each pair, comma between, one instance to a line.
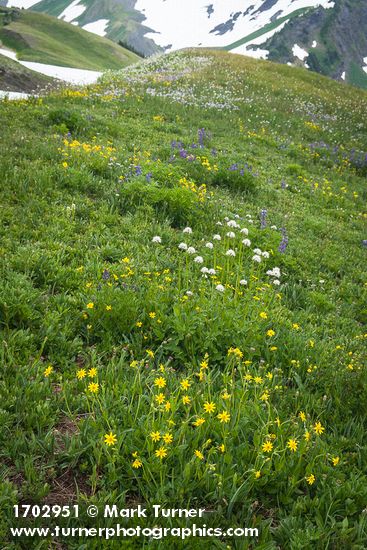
(93,387)
(90,305)
(186,400)
(160,382)
(139,324)
(137,463)
(267,447)
(160,398)
(161,452)
(81,373)
(108,308)
(185,384)
(155,436)
(335,460)
(310,479)
(270,333)
(167,438)
(48,371)
(92,373)
(263,315)
(225,395)
(152,315)
(319,429)
(110,439)
(167,406)
(302,416)
(307,435)
(224,417)
(222,448)
(292,445)
(199,455)
(150,353)
(265,396)
(199,422)
(257,474)
(209,407)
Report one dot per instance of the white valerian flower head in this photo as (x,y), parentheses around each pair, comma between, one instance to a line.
(250,220)
(243,282)
(232,223)
(182,246)
(265,254)
(273,227)
(156,239)
(256,258)
(198,259)
(209,245)
(204,270)
(212,271)
(220,288)
(217,238)
(187,230)
(257,251)
(246,242)
(275,272)
(244,231)
(230,252)
(236,216)
(219,223)
(226,219)
(276,282)
(191,250)
(231,235)
(189,293)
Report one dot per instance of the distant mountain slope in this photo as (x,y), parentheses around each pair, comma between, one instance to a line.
(331,42)
(42,38)
(331,34)
(152,25)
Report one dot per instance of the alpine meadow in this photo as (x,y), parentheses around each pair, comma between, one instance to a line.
(183,305)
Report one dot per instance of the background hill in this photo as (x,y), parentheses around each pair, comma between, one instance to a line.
(45,39)
(183,301)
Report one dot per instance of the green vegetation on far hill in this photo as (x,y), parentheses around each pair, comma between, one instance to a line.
(16,78)
(45,39)
(183,305)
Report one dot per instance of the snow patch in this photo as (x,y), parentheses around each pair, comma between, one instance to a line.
(365,62)
(314,44)
(186,24)
(73,11)
(299,52)
(97,27)
(343,75)
(8,53)
(68,74)
(21,3)
(13,95)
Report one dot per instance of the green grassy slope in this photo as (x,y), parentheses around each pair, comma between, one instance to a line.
(15,78)
(220,389)
(45,39)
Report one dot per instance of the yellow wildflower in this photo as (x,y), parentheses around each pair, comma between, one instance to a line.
(224,417)
(161,452)
(110,439)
